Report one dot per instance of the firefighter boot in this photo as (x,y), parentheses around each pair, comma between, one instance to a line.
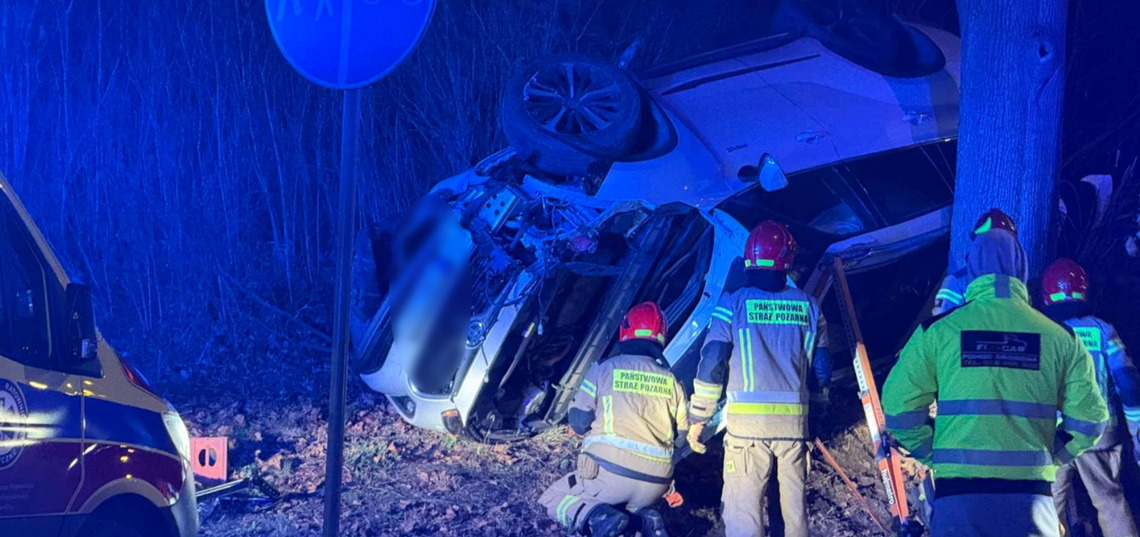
(652,523)
(605,521)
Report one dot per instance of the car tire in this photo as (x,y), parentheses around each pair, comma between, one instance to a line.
(552,129)
(109,528)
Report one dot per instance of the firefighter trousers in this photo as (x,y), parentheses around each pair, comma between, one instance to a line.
(1100,473)
(570,499)
(749,465)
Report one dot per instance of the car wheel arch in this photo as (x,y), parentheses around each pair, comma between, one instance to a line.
(133,510)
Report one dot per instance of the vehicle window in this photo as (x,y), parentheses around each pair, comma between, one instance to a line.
(24,332)
(5,333)
(809,199)
(5,304)
(888,300)
(909,182)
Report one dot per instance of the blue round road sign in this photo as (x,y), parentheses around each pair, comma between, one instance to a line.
(347,44)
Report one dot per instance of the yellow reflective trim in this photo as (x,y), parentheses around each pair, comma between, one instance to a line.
(766,409)
(986,226)
(559,512)
(651,457)
(608,413)
(589,389)
(711,392)
(564,508)
(746,357)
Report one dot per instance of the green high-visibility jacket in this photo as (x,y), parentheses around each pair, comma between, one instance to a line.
(1000,372)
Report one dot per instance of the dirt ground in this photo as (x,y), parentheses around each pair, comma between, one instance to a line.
(400,480)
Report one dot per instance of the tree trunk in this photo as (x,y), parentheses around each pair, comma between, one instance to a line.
(1013,57)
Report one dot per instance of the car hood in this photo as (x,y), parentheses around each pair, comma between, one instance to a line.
(799,102)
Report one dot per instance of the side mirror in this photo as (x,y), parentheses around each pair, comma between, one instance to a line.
(768,173)
(81,338)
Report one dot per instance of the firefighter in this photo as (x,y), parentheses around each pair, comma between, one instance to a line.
(953,290)
(773,340)
(1000,372)
(1066,289)
(631,410)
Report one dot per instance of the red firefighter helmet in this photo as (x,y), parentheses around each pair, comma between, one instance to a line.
(644,321)
(993,219)
(1064,281)
(770,246)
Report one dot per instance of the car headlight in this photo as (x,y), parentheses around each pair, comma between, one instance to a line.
(176,428)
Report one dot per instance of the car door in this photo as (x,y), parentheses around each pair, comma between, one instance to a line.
(41,406)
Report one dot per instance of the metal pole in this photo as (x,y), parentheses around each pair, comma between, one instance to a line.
(346,227)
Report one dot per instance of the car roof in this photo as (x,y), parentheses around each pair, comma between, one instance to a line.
(795,99)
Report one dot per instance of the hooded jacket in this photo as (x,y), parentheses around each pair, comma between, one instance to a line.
(1000,372)
(952,293)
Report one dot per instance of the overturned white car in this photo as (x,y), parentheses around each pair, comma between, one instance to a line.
(508,280)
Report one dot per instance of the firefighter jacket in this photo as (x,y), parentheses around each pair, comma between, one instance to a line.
(952,293)
(769,340)
(1000,372)
(638,411)
(1116,376)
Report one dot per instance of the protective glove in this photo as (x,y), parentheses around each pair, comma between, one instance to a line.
(694,438)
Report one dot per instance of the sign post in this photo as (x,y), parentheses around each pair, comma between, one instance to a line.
(345,45)
(334,454)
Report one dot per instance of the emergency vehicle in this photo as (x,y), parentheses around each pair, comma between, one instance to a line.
(87,448)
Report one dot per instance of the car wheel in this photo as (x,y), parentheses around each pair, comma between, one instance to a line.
(108,528)
(563,113)
(866,35)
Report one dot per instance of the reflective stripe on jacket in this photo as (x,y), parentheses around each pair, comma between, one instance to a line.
(952,293)
(773,336)
(1000,371)
(1116,376)
(638,408)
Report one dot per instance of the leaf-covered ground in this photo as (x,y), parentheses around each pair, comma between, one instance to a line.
(400,480)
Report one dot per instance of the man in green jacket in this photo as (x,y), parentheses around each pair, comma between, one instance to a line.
(1000,372)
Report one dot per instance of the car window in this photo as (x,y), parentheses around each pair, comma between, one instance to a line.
(810,199)
(909,182)
(888,299)
(5,321)
(24,332)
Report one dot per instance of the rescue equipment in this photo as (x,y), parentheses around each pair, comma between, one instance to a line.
(886,456)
